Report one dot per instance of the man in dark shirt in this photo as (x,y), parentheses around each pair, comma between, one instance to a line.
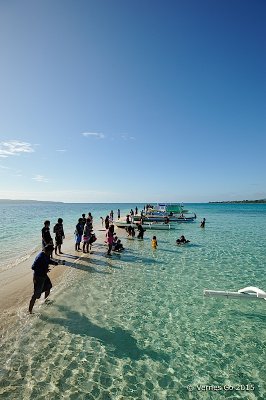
(46,236)
(41,280)
(59,235)
(141,231)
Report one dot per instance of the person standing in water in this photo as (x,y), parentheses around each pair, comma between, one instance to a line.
(78,234)
(110,239)
(141,231)
(107,222)
(202,224)
(41,280)
(154,243)
(111,217)
(86,236)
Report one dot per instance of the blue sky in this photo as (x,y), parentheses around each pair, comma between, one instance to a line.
(132,101)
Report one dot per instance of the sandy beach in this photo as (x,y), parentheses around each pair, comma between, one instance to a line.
(17,286)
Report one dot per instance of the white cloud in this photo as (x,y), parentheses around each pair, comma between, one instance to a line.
(14,148)
(3,167)
(127,137)
(40,178)
(61,150)
(95,134)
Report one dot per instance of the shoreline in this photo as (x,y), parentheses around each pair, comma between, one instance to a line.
(17,285)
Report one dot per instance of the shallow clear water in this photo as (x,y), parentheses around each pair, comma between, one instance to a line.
(136,326)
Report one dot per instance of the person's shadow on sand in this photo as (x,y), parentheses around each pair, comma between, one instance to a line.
(118,341)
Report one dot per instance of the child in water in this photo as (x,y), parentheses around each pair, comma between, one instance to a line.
(154,243)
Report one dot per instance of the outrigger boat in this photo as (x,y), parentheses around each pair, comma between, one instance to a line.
(169,208)
(146,225)
(161,218)
(247,293)
(166,213)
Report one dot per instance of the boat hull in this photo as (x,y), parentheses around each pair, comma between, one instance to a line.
(148,225)
(162,219)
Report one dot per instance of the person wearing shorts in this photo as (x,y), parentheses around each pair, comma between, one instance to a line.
(41,281)
(59,235)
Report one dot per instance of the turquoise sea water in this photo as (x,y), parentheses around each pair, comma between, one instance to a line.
(137,326)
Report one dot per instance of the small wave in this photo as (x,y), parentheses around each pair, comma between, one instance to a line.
(13,262)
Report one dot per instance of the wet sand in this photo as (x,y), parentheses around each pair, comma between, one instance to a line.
(17,284)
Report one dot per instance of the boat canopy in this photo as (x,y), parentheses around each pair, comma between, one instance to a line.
(175,208)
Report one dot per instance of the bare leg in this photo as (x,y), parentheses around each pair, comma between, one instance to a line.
(109,249)
(32,302)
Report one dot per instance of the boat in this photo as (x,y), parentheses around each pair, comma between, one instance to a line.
(168,208)
(247,293)
(146,225)
(172,211)
(162,218)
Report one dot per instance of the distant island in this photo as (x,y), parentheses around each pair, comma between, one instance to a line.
(239,201)
(27,201)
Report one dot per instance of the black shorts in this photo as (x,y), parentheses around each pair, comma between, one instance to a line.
(41,284)
(58,240)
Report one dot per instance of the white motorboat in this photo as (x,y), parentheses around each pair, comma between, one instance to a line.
(146,225)
(247,293)
(162,217)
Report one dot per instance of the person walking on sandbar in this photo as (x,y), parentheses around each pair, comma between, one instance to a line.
(41,280)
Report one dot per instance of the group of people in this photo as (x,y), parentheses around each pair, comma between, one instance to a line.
(59,235)
(131,231)
(84,233)
(40,266)
(113,243)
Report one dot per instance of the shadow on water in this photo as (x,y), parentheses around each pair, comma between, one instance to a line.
(70,256)
(167,251)
(254,316)
(102,263)
(103,260)
(126,256)
(193,245)
(119,341)
(131,258)
(86,268)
